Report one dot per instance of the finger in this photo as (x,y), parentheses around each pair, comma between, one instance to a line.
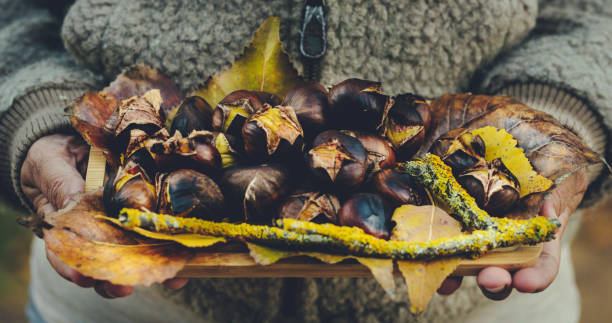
(176,283)
(107,289)
(541,275)
(68,272)
(495,283)
(60,182)
(450,285)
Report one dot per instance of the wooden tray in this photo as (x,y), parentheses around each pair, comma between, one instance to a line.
(233,260)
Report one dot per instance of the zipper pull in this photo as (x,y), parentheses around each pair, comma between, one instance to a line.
(313,39)
(312,36)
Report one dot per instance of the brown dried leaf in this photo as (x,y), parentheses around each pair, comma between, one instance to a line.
(142,264)
(553,150)
(83,219)
(139,79)
(95,115)
(424,223)
(82,238)
(264,66)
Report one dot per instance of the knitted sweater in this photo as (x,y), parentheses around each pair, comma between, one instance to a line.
(554,55)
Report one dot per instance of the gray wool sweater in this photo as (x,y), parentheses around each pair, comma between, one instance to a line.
(554,55)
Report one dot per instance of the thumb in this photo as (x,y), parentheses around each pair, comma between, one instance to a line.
(60,181)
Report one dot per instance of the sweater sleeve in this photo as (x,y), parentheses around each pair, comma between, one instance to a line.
(563,69)
(37,80)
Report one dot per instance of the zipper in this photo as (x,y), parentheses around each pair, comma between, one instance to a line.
(313,39)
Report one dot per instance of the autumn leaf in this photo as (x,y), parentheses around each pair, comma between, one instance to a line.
(83,239)
(191,240)
(83,218)
(381,269)
(553,150)
(142,264)
(421,224)
(94,115)
(264,66)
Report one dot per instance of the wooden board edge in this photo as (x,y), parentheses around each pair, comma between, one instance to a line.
(240,264)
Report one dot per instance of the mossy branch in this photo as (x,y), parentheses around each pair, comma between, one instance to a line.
(308,236)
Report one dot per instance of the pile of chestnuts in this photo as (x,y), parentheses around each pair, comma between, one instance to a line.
(322,155)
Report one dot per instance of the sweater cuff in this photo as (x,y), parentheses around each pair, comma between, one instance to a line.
(36,114)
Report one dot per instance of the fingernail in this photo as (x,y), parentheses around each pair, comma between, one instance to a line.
(496,289)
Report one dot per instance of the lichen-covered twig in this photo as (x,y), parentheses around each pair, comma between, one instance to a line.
(432,173)
(308,236)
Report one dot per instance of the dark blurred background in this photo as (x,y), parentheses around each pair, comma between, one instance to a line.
(592,255)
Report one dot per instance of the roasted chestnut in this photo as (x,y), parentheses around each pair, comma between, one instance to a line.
(272,132)
(380,151)
(233,111)
(492,185)
(268,98)
(137,112)
(366,211)
(194,152)
(311,206)
(337,160)
(310,102)
(462,153)
(129,188)
(193,114)
(405,124)
(187,193)
(357,105)
(398,188)
(255,192)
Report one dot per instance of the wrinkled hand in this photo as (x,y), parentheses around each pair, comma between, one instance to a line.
(51,175)
(497,283)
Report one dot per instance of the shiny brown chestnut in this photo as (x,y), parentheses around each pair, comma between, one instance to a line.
(366,211)
(310,101)
(272,132)
(194,152)
(129,188)
(254,193)
(405,124)
(462,153)
(311,206)
(492,185)
(193,114)
(380,151)
(398,188)
(357,104)
(188,193)
(233,111)
(337,160)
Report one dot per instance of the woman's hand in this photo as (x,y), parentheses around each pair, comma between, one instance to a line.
(51,176)
(497,283)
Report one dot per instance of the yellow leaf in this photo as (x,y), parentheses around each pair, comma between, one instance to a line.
(500,144)
(424,278)
(191,240)
(264,66)
(421,224)
(381,269)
